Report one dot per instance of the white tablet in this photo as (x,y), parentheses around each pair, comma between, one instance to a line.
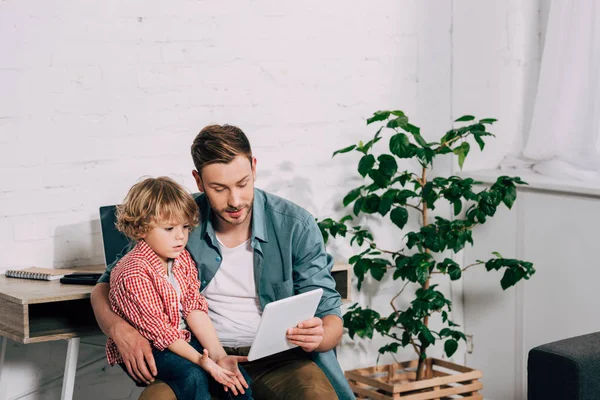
(277,318)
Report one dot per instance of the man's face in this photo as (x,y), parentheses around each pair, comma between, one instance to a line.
(229,188)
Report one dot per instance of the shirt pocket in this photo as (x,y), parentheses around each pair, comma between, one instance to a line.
(283,289)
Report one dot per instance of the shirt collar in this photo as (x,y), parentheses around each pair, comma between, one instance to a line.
(151,256)
(259,230)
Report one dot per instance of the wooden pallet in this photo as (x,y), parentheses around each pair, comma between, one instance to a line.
(445,380)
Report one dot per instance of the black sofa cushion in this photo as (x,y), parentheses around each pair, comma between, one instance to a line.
(565,370)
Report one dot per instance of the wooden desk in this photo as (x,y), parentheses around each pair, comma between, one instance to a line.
(41,311)
(35,311)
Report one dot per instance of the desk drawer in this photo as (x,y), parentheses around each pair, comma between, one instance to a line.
(60,320)
(13,320)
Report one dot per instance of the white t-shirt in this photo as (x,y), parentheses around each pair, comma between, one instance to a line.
(233,304)
(171,277)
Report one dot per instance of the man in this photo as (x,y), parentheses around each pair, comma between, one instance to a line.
(251,248)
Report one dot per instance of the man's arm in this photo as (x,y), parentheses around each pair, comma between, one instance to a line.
(312,269)
(133,347)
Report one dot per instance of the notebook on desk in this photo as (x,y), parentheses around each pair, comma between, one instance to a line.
(44,274)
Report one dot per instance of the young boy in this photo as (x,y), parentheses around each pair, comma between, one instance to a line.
(155,287)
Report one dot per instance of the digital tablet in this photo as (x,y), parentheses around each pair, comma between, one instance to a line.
(277,318)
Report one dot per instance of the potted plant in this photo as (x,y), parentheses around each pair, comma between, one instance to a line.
(397,195)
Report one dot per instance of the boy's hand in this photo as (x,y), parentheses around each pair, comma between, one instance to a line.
(307,334)
(230,363)
(223,376)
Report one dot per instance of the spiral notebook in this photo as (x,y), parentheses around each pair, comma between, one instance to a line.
(44,274)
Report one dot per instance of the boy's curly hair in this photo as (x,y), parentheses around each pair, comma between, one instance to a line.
(153,200)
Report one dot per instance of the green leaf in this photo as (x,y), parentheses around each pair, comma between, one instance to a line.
(358,204)
(426,337)
(386,201)
(403,195)
(378,116)
(380,179)
(365,164)
(479,141)
(378,271)
(510,195)
(465,118)
(429,195)
(425,155)
(462,151)
(344,150)
(397,122)
(346,218)
(371,204)
(401,147)
(454,272)
(351,196)
(488,120)
(387,165)
(511,277)
(450,347)
(389,348)
(399,216)
(457,206)
(497,254)
(410,128)
(422,272)
(419,139)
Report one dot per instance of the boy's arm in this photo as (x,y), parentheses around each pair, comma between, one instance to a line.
(203,329)
(133,347)
(195,309)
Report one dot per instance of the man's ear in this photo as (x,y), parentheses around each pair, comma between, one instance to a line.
(254,168)
(198,180)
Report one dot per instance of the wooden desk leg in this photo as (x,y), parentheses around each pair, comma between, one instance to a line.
(70,369)
(3,381)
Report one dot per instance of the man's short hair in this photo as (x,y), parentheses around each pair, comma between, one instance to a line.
(155,200)
(219,144)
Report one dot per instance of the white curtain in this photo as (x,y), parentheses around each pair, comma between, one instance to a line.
(563,139)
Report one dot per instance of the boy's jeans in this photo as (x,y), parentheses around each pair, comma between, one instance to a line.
(189,381)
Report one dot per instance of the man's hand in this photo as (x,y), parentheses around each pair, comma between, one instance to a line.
(307,334)
(136,353)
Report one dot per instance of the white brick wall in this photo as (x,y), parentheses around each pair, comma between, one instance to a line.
(94,95)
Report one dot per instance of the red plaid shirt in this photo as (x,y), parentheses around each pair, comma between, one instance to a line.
(141,294)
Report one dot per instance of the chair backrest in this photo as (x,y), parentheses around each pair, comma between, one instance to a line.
(113,240)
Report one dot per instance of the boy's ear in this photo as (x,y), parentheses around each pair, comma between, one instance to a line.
(198,180)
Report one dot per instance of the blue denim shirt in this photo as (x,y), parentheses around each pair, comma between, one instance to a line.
(289,258)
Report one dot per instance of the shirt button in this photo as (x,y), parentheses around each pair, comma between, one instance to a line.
(204,281)
(218,258)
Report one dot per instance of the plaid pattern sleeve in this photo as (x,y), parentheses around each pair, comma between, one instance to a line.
(144,310)
(191,299)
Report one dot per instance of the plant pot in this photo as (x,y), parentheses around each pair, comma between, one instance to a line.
(445,380)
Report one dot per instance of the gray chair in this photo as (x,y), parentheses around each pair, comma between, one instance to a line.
(565,370)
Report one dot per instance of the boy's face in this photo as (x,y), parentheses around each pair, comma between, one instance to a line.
(168,239)
(229,189)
